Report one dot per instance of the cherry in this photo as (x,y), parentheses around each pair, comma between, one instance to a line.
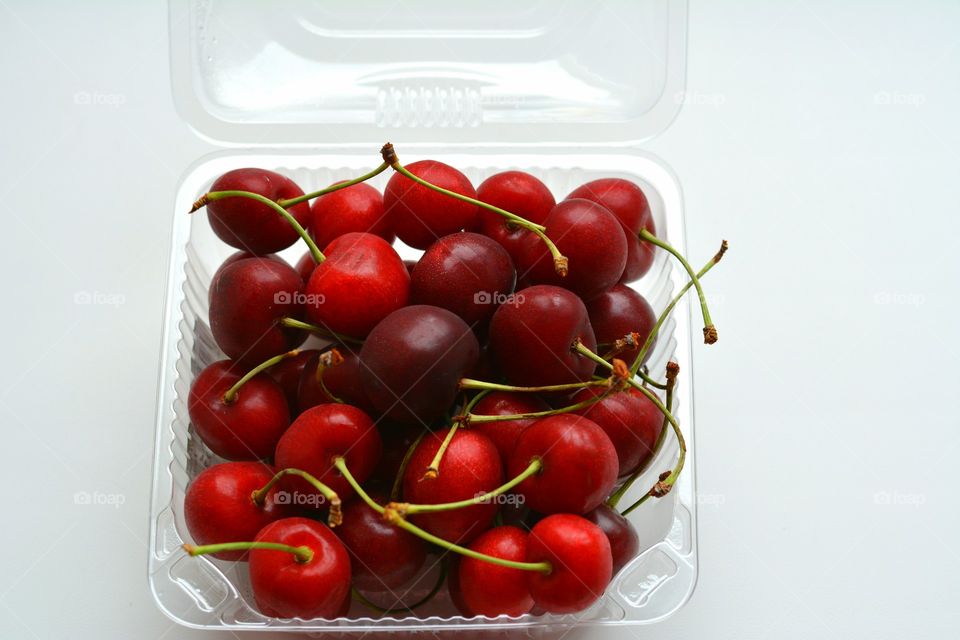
(624,542)
(319,435)
(287,374)
(579,554)
(340,382)
(397,440)
(305,266)
(504,433)
(412,362)
(219,505)
(383,557)
(485,589)
(531,337)
(250,225)
(579,464)
(466,273)
(356,208)
(420,215)
(630,420)
(247,302)
(244,425)
(469,467)
(517,192)
(361,281)
(237,257)
(591,239)
(620,311)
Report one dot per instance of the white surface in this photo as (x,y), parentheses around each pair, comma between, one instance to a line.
(819,139)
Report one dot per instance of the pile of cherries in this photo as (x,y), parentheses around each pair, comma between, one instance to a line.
(488,403)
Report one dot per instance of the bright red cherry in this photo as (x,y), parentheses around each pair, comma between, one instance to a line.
(517,192)
(420,215)
(630,420)
(504,433)
(358,207)
(624,542)
(617,312)
(487,589)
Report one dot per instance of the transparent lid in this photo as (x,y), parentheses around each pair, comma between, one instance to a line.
(314,72)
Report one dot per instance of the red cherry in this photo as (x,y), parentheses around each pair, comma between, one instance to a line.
(319,435)
(466,273)
(532,334)
(579,464)
(247,302)
(305,266)
(341,383)
(620,311)
(580,556)
(412,362)
(504,434)
(360,283)
(253,226)
(237,257)
(358,207)
(470,466)
(383,557)
(247,428)
(397,439)
(284,587)
(219,506)
(287,374)
(624,542)
(519,193)
(630,420)
(420,215)
(487,589)
(592,240)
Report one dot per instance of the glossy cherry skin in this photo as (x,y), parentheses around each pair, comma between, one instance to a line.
(383,556)
(469,467)
(624,542)
(247,302)
(219,506)
(487,589)
(287,374)
(341,383)
(319,435)
(517,192)
(412,362)
(358,207)
(286,588)
(247,428)
(532,335)
(305,266)
(617,312)
(504,434)
(466,273)
(592,240)
(420,215)
(360,283)
(580,555)
(579,464)
(630,420)
(237,257)
(397,440)
(250,225)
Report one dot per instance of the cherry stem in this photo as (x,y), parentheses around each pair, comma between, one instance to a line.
(326,360)
(434,469)
(470,383)
(231,395)
(583,404)
(323,332)
(213,196)
(637,362)
(362,599)
(303,554)
(398,481)
(335,516)
(397,520)
(560,262)
(405,509)
(334,187)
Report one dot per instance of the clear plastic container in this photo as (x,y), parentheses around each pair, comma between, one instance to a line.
(567,92)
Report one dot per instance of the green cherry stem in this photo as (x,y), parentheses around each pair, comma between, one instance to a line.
(472,418)
(323,332)
(303,554)
(470,383)
(362,599)
(434,469)
(231,395)
(326,360)
(396,519)
(334,187)
(213,196)
(334,518)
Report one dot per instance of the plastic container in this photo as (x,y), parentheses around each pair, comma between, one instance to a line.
(567,92)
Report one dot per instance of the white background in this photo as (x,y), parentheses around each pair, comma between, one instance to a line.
(827,413)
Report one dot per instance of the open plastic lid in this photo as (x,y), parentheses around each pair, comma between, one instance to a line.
(364,71)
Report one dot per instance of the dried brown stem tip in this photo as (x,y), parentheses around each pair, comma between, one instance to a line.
(673,370)
(199,204)
(388,154)
(335,517)
(660,489)
(561,265)
(709,334)
(620,370)
(432,473)
(393,512)
(723,249)
(331,358)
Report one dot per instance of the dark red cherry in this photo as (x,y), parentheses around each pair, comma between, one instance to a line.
(517,192)
(630,420)
(466,273)
(504,434)
(358,207)
(237,257)
(617,312)
(305,266)
(624,542)
(287,374)
(360,283)
(592,240)
(341,382)
(397,439)
(219,506)
(420,215)
(247,302)
(469,467)
(412,362)
(487,589)
(579,464)
(250,225)
(247,428)
(532,337)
